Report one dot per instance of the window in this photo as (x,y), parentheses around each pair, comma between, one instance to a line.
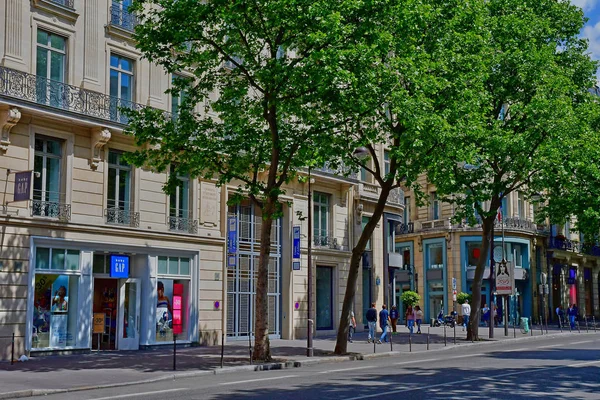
(176,98)
(473,251)
(47,178)
(320,218)
(365,221)
(50,68)
(406,215)
(55,295)
(179,204)
(435,206)
(386,162)
(504,206)
(172,308)
(521,204)
(121,86)
(119,189)
(120,15)
(436,254)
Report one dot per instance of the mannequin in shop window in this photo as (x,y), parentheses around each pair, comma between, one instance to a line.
(163,310)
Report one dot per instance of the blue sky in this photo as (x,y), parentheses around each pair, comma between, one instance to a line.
(591,8)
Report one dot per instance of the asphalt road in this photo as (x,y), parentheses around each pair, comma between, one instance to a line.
(555,368)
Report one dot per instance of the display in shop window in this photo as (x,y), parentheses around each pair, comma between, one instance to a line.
(53,323)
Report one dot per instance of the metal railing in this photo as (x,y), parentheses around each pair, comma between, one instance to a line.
(327,240)
(404,229)
(341,170)
(510,223)
(120,216)
(51,209)
(119,16)
(58,95)
(574,246)
(183,225)
(64,3)
(396,197)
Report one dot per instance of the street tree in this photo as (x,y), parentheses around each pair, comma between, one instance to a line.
(251,76)
(536,80)
(411,89)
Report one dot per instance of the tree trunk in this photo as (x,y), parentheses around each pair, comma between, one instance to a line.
(341,344)
(262,349)
(473,328)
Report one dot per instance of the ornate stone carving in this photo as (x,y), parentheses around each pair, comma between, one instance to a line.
(100,137)
(8,119)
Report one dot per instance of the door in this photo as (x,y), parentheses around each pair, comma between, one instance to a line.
(324,298)
(129,314)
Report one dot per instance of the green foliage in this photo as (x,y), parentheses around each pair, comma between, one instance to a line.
(410,298)
(462,297)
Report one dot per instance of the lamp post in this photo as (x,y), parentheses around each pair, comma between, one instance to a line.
(309,336)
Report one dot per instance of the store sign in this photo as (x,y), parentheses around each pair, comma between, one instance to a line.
(119,266)
(232,235)
(505,282)
(177,308)
(99,323)
(22,186)
(296,246)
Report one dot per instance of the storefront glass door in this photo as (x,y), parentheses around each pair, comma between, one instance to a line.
(129,314)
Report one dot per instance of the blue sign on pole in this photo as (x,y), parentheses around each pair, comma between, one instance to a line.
(232,235)
(119,266)
(296,247)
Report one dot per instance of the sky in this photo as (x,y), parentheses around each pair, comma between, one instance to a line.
(591,31)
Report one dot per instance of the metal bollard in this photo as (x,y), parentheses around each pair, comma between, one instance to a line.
(445,343)
(455,334)
(374,344)
(250,345)
(560,323)
(427,338)
(531,325)
(578,329)
(410,342)
(594,321)
(391,340)
(12,351)
(515,329)
(541,325)
(174,352)
(222,348)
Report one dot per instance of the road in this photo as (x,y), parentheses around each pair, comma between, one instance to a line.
(556,367)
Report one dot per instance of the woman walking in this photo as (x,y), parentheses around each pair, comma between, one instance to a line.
(410,318)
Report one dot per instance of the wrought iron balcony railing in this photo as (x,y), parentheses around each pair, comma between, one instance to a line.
(119,216)
(64,3)
(326,240)
(396,197)
(561,243)
(404,229)
(58,95)
(511,223)
(51,209)
(121,17)
(341,170)
(183,225)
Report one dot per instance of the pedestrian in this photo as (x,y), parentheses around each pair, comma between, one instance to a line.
(560,315)
(466,312)
(384,317)
(371,321)
(410,318)
(394,317)
(419,318)
(497,316)
(485,314)
(352,326)
(572,314)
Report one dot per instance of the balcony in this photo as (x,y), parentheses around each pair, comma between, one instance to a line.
(436,224)
(342,171)
(405,229)
(328,241)
(561,243)
(34,90)
(510,223)
(396,197)
(64,3)
(58,8)
(119,216)
(121,18)
(179,224)
(51,209)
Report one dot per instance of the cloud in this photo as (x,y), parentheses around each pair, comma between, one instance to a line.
(592,33)
(586,5)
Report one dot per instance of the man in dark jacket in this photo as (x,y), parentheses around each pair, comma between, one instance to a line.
(371,321)
(384,316)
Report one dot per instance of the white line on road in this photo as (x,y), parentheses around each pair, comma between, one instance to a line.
(439,359)
(582,342)
(123,396)
(347,369)
(258,380)
(479,378)
(548,347)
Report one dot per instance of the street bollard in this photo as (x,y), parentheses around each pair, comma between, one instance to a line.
(455,334)
(250,345)
(445,344)
(560,324)
(174,352)
(578,330)
(531,325)
(410,342)
(541,325)
(515,330)
(12,351)
(222,348)
(587,328)
(427,338)
(570,327)
(594,320)
(391,340)
(374,344)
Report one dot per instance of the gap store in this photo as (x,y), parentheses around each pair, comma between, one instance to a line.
(136,297)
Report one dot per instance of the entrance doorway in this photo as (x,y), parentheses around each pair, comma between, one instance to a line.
(106,297)
(324,298)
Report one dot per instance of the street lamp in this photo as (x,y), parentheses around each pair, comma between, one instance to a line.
(309,336)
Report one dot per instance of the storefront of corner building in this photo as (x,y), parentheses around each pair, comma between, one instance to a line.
(137,297)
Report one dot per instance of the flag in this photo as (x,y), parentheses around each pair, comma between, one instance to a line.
(499,216)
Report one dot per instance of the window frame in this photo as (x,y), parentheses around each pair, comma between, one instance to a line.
(178,197)
(436,212)
(118,167)
(317,215)
(49,50)
(44,169)
(120,72)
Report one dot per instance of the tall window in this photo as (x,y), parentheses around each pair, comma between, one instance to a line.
(504,205)
(386,162)
(120,15)
(176,98)
(50,68)
(179,204)
(320,218)
(365,221)
(47,177)
(435,206)
(406,215)
(521,204)
(436,253)
(121,85)
(119,189)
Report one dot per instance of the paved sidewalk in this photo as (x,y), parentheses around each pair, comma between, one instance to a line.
(48,374)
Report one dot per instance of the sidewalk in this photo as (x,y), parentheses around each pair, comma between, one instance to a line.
(43,375)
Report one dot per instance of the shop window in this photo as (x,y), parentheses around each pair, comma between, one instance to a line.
(473,251)
(50,258)
(172,306)
(436,255)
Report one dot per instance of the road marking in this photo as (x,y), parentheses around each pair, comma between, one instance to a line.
(258,380)
(547,347)
(347,369)
(583,341)
(122,396)
(479,378)
(439,359)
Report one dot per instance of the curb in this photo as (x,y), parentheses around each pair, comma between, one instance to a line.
(260,367)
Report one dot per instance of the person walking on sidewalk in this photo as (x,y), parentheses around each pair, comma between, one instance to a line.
(560,314)
(419,318)
(394,318)
(384,316)
(572,314)
(352,327)
(371,321)
(410,319)
(466,312)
